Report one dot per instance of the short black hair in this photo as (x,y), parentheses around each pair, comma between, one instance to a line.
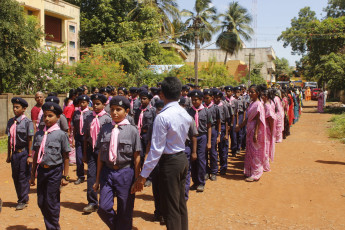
(52,94)
(171,88)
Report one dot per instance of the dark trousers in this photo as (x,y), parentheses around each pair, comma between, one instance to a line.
(144,141)
(244,137)
(199,165)
(172,180)
(91,175)
(79,146)
(188,151)
(155,190)
(21,172)
(223,147)
(48,195)
(236,139)
(212,155)
(119,182)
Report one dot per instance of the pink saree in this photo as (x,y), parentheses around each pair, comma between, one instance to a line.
(270,137)
(280,119)
(253,162)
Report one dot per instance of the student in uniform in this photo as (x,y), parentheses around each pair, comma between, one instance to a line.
(20,131)
(143,117)
(168,144)
(212,155)
(118,166)
(239,111)
(122,91)
(203,121)
(36,111)
(106,92)
(134,99)
(184,93)
(223,145)
(155,93)
(51,156)
(93,124)
(79,120)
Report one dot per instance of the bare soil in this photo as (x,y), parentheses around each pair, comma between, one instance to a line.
(304,190)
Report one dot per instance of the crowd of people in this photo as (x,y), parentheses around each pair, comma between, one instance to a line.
(171,137)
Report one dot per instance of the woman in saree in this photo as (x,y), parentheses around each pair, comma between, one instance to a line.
(320,102)
(286,117)
(279,111)
(291,107)
(296,106)
(256,136)
(308,94)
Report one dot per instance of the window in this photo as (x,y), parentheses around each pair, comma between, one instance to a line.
(72,44)
(53,27)
(72,29)
(71,60)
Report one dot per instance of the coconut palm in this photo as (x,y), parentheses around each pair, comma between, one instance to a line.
(200,25)
(235,29)
(168,9)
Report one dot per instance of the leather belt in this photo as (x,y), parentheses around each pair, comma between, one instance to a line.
(49,166)
(19,150)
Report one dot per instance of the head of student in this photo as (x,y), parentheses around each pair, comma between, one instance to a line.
(197,97)
(208,96)
(185,90)
(159,106)
(119,108)
(122,91)
(98,102)
(218,95)
(145,98)
(105,91)
(237,91)
(19,106)
(51,113)
(182,102)
(83,101)
(228,90)
(133,92)
(171,89)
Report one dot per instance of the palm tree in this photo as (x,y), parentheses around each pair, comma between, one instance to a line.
(168,9)
(200,24)
(235,27)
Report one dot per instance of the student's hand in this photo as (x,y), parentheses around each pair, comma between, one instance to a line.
(32,179)
(208,146)
(237,129)
(84,159)
(8,160)
(29,160)
(194,157)
(138,185)
(255,138)
(64,182)
(95,186)
(225,137)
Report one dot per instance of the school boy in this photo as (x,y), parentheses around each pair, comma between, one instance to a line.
(93,124)
(144,117)
(134,99)
(212,155)
(20,130)
(223,145)
(78,121)
(184,93)
(203,121)
(118,166)
(155,93)
(106,92)
(122,91)
(51,148)
(62,122)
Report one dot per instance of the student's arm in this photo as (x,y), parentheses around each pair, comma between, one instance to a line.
(34,122)
(65,168)
(219,130)
(34,168)
(209,134)
(99,169)
(136,164)
(257,118)
(194,148)
(244,123)
(226,130)
(271,124)
(8,160)
(29,160)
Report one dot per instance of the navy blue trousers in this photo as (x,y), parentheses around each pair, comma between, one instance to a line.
(119,182)
(79,146)
(199,165)
(212,155)
(236,139)
(48,195)
(223,147)
(21,173)
(188,151)
(91,175)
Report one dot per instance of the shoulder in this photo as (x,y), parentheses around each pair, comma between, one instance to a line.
(27,120)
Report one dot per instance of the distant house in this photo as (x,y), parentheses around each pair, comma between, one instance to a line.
(238,64)
(60,21)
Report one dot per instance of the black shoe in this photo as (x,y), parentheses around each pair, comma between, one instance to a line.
(79,181)
(148,183)
(90,208)
(238,152)
(200,188)
(213,177)
(233,154)
(207,176)
(21,206)
(193,187)
(222,172)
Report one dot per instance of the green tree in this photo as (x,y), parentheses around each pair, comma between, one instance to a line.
(283,68)
(295,36)
(201,26)
(335,8)
(235,29)
(19,40)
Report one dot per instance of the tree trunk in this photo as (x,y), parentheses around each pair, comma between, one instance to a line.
(196,59)
(226,57)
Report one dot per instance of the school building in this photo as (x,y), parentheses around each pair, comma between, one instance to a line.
(238,64)
(60,22)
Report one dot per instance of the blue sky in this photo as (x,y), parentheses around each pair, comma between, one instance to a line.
(273,17)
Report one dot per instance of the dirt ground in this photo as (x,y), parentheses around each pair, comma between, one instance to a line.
(304,190)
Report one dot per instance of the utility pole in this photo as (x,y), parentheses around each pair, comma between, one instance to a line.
(250,61)
(197,25)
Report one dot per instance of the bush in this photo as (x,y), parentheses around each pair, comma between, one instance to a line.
(338,127)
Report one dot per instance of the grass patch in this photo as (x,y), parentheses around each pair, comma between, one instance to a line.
(334,110)
(3,144)
(338,127)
